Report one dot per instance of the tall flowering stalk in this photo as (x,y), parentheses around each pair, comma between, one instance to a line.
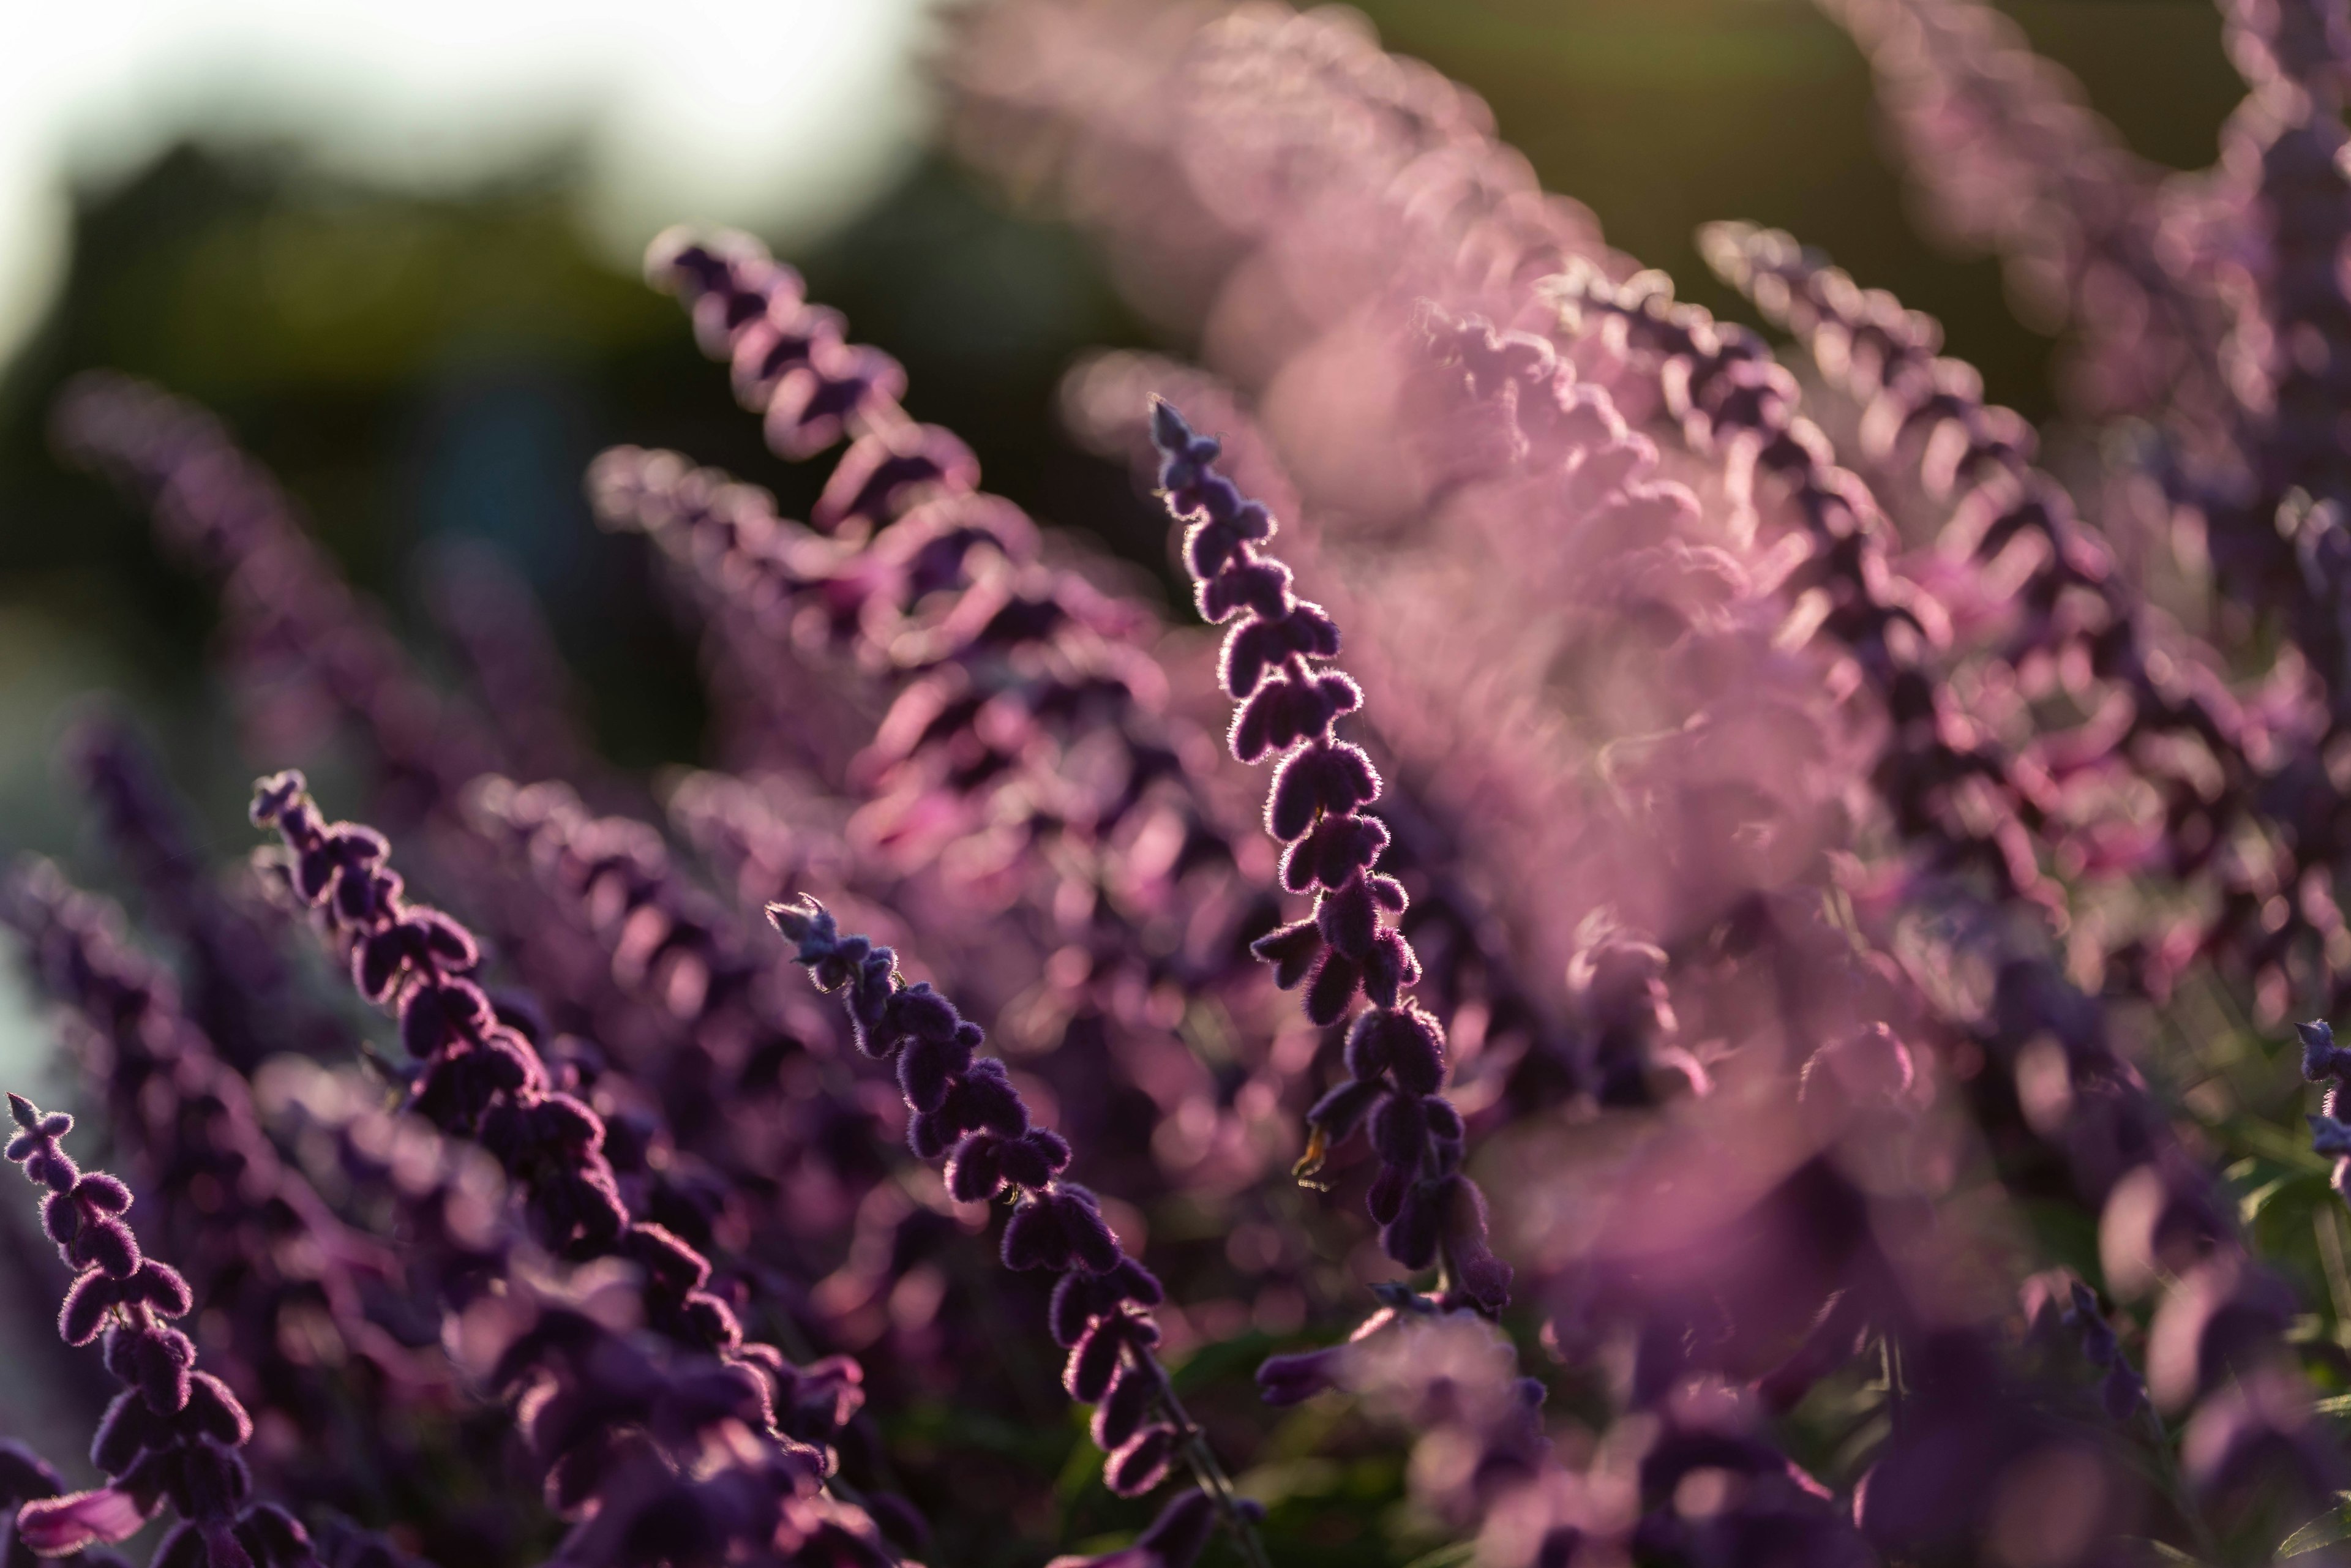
(173,1433)
(966,1111)
(287,1284)
(2156,709)
(478,1077)
(2168,1227)
(1276,666)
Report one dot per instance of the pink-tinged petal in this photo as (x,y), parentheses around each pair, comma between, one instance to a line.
(60,1526)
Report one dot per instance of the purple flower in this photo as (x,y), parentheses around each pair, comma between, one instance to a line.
(1274,666)
(173,1433)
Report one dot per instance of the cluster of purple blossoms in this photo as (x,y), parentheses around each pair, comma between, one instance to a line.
(173,1433)
(1817,892)
(1275,665)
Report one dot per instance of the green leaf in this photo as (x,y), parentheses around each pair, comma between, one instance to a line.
(2326,1529)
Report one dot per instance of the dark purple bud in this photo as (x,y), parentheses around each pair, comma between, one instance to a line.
(1142,1464)
(213,1411)
(1411,1237)
(1251,649)
(1092,1242)
(88,1301)
(1176,1537)
(921,1011)
(1294,1379)
(160,1286)
(1122,1410)
(1332,987)
(1347,915)
(162,1364)
(1291,950)
(1405,1042)
(1339,1111)
(103,1192)
(1034,1238)
(1389,969)
(1333,852)
(127,1427)
(976,1169)
(1095,1361)
(1400,1130)
(108,1244)
(1034,1159)
(61,1216)
(2321,1058)
(1385,1199)
(433,1018)
(928,1066)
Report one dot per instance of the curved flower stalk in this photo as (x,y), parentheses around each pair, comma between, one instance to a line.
(239,992)
(2013,161)
(173,1434)
(288,1285)
(478,1077)
(1942,773)
(2164,1225)
(714,1035)
(702,1020)
(966,1109)
(1467,939)
(306,648)
(1009,654)
(2157,713)
(1276,667)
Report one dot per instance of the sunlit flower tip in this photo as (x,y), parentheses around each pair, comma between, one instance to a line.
(2322,1059)
(2330,1137)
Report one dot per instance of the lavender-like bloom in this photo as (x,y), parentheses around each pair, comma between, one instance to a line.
(966,1111)
(174,1432)
(1009,652)
(1276,666)
(2157,712)
(2162,1220)
(479,1077)
(269,1263)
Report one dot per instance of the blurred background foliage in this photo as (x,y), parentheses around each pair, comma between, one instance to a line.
(416,364)
(423,364)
